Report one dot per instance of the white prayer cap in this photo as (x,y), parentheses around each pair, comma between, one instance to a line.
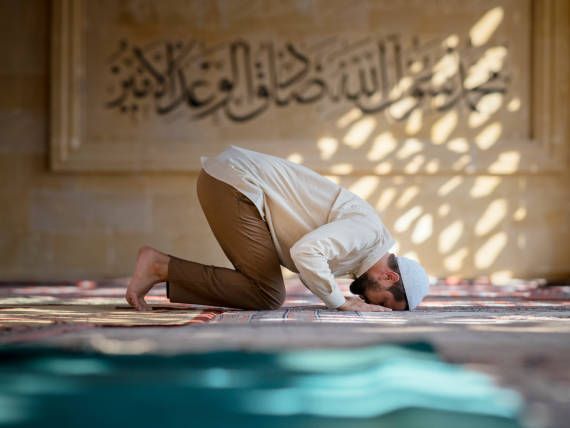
(415,279)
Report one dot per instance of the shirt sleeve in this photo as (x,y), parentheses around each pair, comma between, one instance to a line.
(347,237)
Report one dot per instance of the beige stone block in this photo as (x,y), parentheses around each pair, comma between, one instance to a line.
(79,256)
(24,37)
(75,211)
(23,92)
(23,131)
(176,212)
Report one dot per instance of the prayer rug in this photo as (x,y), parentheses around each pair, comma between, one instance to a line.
(102,314)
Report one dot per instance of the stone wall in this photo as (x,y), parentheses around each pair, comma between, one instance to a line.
(472,202)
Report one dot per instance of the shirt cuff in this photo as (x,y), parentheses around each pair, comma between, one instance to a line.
(335,299)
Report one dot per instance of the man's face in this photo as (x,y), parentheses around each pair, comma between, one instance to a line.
(376,290)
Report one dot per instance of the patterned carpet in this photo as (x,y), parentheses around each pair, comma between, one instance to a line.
(36,310)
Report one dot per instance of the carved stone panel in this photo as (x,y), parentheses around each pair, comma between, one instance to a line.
(407,87)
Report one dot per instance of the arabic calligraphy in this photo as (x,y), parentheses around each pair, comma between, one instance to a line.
(242,79)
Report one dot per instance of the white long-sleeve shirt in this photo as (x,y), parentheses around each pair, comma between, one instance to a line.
(320,229)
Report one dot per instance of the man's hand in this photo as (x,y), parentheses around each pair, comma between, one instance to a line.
(357,304)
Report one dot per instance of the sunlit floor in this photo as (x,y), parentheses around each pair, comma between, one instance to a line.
(517,333)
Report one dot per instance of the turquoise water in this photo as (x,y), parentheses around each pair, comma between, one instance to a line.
(374,386)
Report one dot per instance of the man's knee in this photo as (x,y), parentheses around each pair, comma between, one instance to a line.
(271,297)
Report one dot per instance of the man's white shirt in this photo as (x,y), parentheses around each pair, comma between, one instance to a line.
(320,229)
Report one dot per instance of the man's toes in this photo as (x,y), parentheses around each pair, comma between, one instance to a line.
(140,304)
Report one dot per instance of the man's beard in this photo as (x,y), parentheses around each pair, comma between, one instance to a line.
(361,284)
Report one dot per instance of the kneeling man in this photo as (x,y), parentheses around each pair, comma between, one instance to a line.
(267,211)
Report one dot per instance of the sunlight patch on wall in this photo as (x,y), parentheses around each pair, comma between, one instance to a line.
(402,106)
(451,41)
(423,229)
(382,145)
(489,136)
(327,146)
(450,185)
(432,166)
(401,87)
(383,168)
(359,132)
(461,163)
(494,213)
(519,214)
(488,253)
(486,107)
(501,277)
(405,220)
(507,163)
(483,29)
(458,145)
(416,67)
(349,117)
(443,127)
(445,69)
(514,104)
(415,164)
(491,62)
(484,186)
(450,236)
(408,194)
(414,123)
(443,210)
(410,147)
(365,186)
(295,157)
(386,199)
(455,261)
(342,168)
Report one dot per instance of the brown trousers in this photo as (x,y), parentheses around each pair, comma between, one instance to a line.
(256,282)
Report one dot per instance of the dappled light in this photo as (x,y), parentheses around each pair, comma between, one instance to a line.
(486,107)
(450,185)
(487,254)
(295,157)
(327,146)
(483,29)
(449,236)
(439,178)
(423,229)
(484,186)
(382,145)
(405,221)
(409,147)
(508,162)
(342,168)
(458,145)
(455,261)
(407,195)
(365,186)
(492,61)
(493,214)
(359,132)
(443,127)
(488,136)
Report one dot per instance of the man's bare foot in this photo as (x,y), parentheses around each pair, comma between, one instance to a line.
(151,267)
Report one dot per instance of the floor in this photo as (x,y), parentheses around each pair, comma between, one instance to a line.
(517,333)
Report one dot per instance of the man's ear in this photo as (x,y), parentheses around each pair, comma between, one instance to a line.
(394,276)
